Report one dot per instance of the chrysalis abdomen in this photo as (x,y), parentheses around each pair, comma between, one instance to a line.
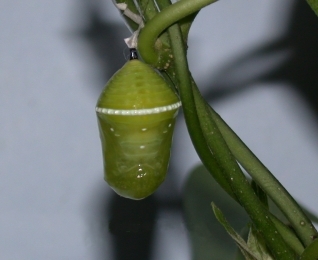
(136,115)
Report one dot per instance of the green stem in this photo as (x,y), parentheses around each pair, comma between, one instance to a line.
(160,22)
(190,110)
(241,188)
(231,170)
(191,116)
(146,48)
(148,9)
(288,235)
(263,177)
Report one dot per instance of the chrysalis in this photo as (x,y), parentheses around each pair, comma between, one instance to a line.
(136,115)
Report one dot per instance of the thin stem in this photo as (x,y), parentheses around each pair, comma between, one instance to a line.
(288,235)
(264,178)
(160,22)
(191,116)
(190,111)
(241,188)
(202,148)
(192,103)
(232,174)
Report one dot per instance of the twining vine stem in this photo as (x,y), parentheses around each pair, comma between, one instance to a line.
(238,182)
(163,20)
(264,178)
(210,123)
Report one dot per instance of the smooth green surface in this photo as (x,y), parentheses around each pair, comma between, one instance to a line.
(136,155)
(136,149)
(311,252)
(136,86)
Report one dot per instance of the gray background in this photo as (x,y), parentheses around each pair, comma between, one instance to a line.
(56,56)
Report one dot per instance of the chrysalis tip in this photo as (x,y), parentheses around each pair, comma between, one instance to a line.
(133,54)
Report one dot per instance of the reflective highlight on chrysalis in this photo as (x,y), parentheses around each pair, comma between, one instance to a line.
(136,115)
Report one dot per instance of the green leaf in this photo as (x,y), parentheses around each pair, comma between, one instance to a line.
(311,252)
(257,245)
(243,246)
(314,5)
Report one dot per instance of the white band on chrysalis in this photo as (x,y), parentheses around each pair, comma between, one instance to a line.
(137,112)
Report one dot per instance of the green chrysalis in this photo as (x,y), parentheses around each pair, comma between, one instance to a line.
(136,115)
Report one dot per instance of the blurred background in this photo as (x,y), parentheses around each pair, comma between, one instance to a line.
(256,63)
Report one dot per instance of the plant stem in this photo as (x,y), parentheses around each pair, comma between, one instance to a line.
(160,22)
(190,112)
(263,177)
(200,129)
(241,188)
(231,170)
(288,235)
